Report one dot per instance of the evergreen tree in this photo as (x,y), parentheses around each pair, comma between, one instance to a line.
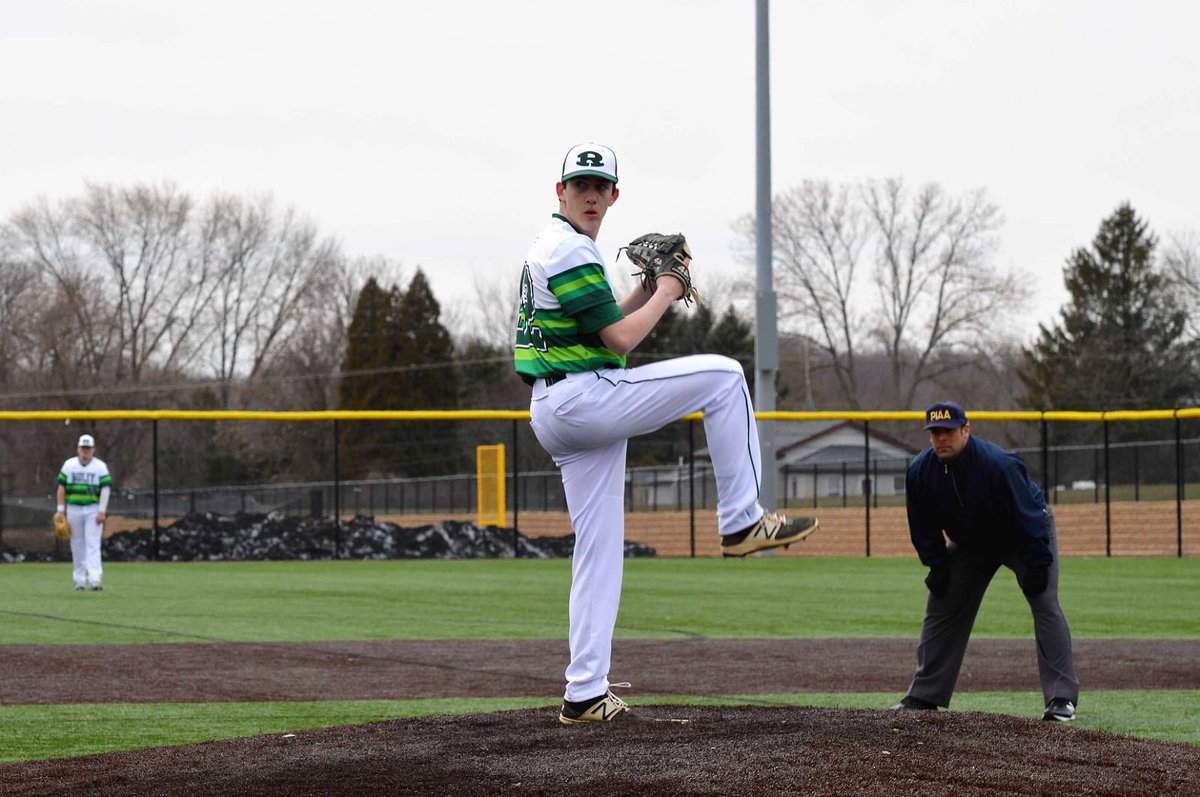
(733,337)
(659,343)
(679,334)
(368,380)
(688,332)
(399,357)
(367,349)
(486,377)
(1121,341)
(429,382)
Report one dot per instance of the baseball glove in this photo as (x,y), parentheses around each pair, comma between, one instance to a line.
(657,255)
(61,529)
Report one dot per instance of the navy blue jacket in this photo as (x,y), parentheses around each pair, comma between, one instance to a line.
(983,500)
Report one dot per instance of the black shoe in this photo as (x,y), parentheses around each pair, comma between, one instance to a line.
(605,708)
(910,703)
(771,531)
(1059,710)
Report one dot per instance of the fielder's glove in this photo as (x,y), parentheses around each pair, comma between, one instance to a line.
(657,255)
(61,529)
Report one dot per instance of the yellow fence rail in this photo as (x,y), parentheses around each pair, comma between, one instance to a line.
(518,415)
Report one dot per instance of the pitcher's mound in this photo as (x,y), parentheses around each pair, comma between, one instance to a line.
(718,751)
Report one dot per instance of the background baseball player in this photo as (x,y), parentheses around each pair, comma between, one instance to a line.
(84,485)
(995,515)
(571,342)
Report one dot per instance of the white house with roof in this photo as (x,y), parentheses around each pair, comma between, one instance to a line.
(821,457)
(826,458)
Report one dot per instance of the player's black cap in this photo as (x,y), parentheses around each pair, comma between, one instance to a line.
(945,415)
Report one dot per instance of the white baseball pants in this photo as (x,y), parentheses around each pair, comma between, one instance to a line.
(584,422)
(85,544)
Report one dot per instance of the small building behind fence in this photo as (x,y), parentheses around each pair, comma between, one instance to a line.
(825,459)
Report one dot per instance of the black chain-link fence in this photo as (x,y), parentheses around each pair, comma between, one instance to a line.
(164,470)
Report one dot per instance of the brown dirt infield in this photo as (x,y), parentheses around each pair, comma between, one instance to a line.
(408,670)
(747,750)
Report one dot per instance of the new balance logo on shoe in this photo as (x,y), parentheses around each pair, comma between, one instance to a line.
(771,531)
(606,708)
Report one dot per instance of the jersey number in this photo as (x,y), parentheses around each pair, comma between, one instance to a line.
(529,335)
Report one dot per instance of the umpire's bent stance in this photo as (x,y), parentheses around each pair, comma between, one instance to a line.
(993,514)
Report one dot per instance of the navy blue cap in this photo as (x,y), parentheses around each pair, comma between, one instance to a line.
(945,415)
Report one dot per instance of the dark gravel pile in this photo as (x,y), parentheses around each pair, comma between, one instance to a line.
(213,537)
(9,555)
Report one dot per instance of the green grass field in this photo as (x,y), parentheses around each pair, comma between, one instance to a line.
(486,599)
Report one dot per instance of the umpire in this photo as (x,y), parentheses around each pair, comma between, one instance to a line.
(993,514)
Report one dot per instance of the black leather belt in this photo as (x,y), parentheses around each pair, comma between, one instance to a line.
(554,379)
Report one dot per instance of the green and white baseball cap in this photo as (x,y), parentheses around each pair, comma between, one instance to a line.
(591,159)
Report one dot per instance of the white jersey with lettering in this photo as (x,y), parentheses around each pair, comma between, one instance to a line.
(585,406)
(83,486)
(83,483)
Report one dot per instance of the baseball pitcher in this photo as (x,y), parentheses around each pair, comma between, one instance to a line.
(572,339)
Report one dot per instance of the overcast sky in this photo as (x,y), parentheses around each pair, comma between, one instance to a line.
(432,132)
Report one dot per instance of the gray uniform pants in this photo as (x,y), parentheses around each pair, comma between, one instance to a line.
(949,619)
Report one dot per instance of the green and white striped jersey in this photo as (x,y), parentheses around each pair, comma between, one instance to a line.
(83,482)
(566,299)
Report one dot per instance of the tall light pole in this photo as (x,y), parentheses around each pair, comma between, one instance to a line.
(766,332)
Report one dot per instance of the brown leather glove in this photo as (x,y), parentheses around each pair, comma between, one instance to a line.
(61,529)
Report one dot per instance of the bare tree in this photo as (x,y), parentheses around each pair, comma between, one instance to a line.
(19,310)
(488,317)
(938,291)
(1181,261)
(80,338)
(820,233)
(873,264)
(118,260)
(145,284)
(264,265)
(310,357)
(141,235)
(126,296)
